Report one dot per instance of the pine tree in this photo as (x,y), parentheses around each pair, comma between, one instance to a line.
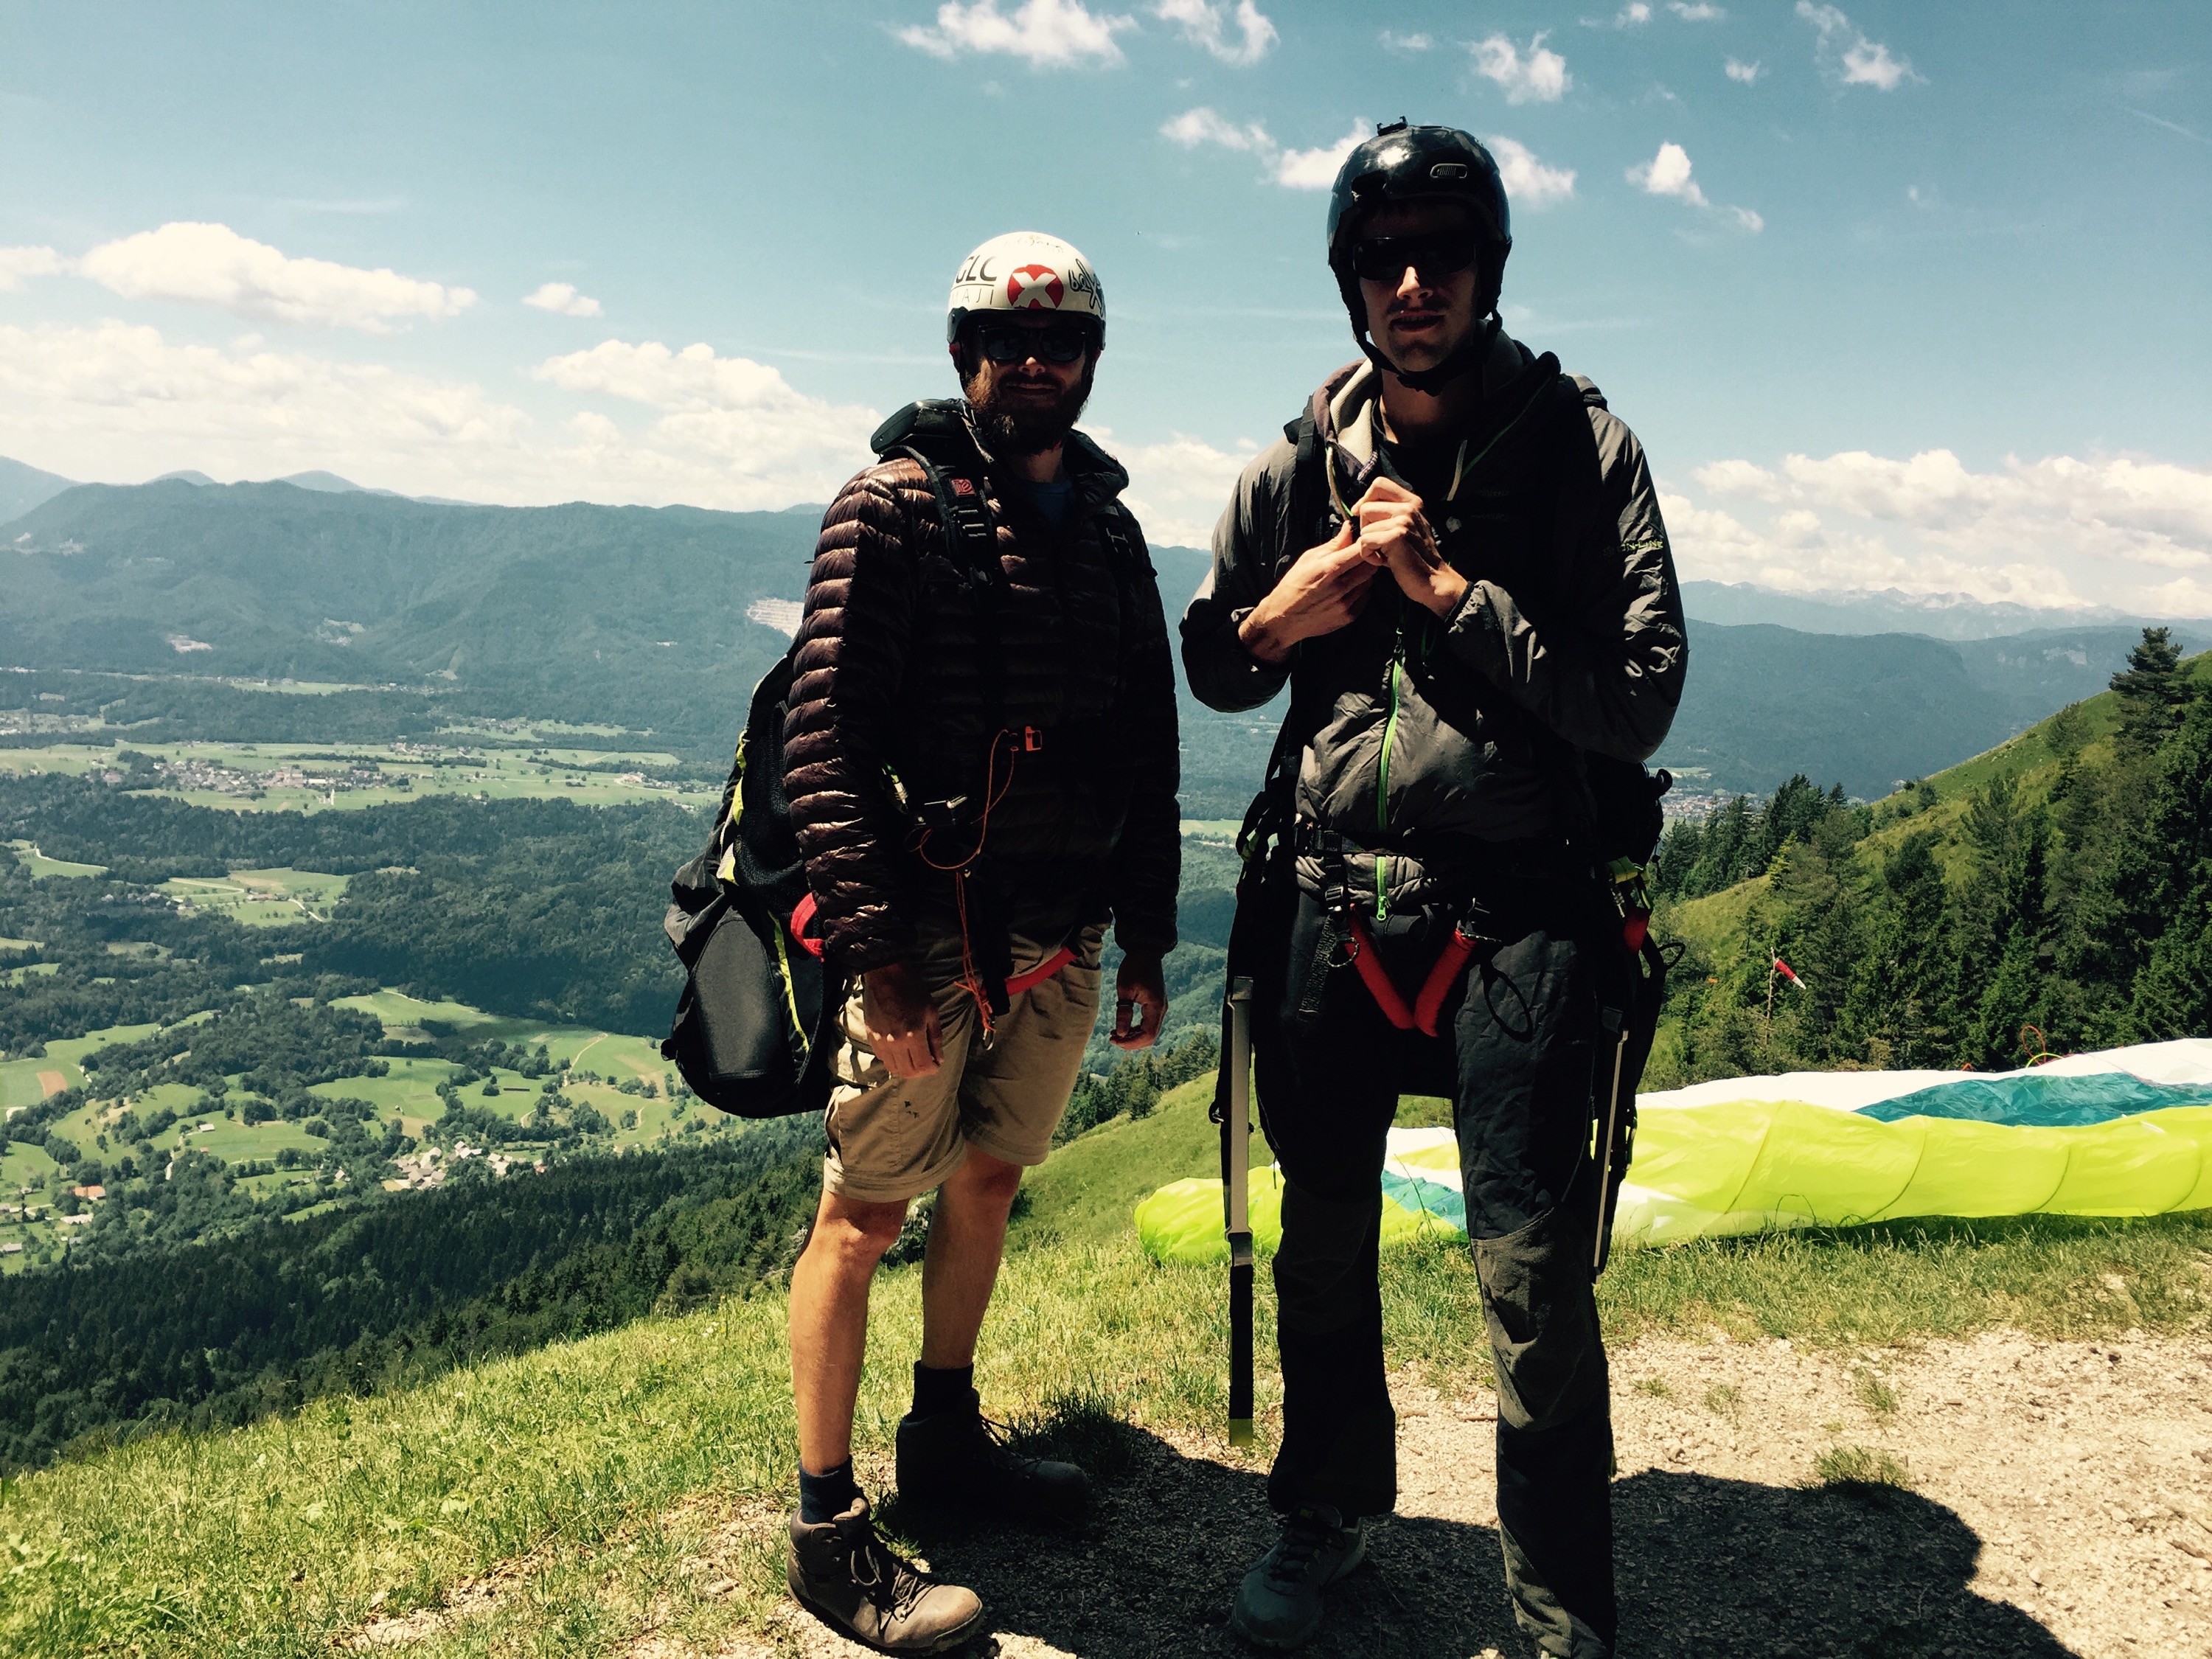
(2153,692)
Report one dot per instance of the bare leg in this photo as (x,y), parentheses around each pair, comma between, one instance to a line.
(830,1320)
(966,1236)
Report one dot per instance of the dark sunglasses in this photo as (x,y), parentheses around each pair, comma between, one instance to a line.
(1047,345)
(1385,259)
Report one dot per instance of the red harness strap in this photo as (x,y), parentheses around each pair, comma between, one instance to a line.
(802,915)
(1422,1016)
(1043,971)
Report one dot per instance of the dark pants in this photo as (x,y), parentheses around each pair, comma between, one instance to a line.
(1518,1051)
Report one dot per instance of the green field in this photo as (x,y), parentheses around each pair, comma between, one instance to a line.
(261,898)
(37,862)
(406,1095)
(410,772)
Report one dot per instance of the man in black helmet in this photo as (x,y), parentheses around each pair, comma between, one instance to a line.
(1455,559)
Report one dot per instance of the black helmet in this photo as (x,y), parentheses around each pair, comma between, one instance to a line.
(1403,163)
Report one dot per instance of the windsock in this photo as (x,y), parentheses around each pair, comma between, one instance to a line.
(1789,974)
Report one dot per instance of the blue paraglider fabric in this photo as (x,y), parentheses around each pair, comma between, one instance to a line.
(2035,1100)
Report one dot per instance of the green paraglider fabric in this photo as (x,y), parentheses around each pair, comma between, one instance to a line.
(1741,1166)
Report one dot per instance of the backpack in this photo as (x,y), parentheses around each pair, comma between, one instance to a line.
(756,1023)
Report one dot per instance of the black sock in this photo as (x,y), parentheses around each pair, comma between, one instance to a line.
(950,1390)
(823,1498)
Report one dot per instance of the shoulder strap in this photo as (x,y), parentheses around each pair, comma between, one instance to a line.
(971,540)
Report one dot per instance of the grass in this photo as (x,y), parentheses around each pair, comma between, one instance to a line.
(40,865)
(1724,1400)
(261,898)
(589,1475)
(1870,1470)
(2050,1276)
(1086,1191)
(1876,1395)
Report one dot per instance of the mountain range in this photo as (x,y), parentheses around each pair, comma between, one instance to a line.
(1888,610)
(660,619)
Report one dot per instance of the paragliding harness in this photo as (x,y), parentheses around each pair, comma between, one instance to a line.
(755,1023)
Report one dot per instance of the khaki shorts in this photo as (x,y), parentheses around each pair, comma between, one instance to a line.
(893,1139)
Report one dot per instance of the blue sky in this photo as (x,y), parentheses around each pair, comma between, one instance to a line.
(1896,295)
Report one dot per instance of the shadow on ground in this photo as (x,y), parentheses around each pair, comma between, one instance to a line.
(1706,1567)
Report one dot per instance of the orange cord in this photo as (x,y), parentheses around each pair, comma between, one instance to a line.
(994,793)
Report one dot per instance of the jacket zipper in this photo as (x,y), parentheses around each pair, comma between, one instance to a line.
(1382,773)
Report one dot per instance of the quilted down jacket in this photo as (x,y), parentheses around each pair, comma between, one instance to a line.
(889,701)
(1426,740)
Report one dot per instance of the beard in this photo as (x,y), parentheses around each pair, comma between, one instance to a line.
(1026,428)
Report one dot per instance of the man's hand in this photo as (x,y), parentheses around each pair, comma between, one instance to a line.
(1141,1001)
(1324,589)
(903,1028)
(1394,533)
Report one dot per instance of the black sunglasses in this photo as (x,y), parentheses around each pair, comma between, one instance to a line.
(1439,253)
(1048,345)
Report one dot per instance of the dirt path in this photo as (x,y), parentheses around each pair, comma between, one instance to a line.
(2061,1503)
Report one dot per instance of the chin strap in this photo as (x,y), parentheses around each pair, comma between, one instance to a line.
(1465,361)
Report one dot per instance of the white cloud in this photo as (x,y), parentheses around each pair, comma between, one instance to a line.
(1864,62)
(1667,174)
(562,299)
(1736,70)
(1206,23)
(1393,41)
(2058,531)
(1045,33)
(1294,169)
(1703,12)
(1636,12)
(1540,77)
(17,263)
(1316,169)
(212,265)
(1202,125)
(1869,65)
(1528,182)
(118,400)
(1177,488)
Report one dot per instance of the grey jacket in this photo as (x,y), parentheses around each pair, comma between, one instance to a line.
(1428,741)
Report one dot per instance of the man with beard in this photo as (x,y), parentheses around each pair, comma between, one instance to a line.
(981,759)
(1456,561)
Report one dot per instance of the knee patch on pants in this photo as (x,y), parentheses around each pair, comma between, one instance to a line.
(1542,1313)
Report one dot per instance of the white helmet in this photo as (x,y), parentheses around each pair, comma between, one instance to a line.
(1026,270)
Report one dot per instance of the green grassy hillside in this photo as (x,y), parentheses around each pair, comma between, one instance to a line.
(630,1487)
(1086,1189)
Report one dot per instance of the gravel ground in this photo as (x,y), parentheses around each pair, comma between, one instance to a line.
(2059,1502)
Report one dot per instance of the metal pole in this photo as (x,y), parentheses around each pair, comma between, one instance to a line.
(1603,1245)
(1235,1162)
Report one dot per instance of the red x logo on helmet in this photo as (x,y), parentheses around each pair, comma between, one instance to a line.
(1034,287)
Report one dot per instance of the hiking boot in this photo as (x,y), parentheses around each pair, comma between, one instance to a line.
(961,1458)
(846,1576)
(1279,1603)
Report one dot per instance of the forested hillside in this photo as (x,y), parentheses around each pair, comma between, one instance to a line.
(628,615)
(539,909)
(351,1301)
(2054,894)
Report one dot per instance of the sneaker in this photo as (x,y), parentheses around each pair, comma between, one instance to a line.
(846,1576)
(962,1459)
(1279,1603)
